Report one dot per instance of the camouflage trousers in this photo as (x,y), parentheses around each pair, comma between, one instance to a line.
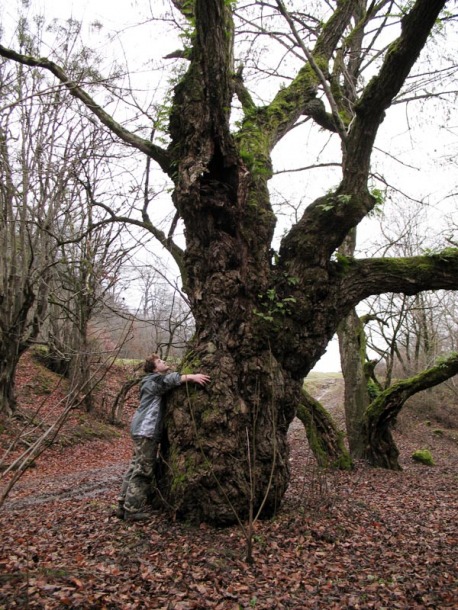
(136,489)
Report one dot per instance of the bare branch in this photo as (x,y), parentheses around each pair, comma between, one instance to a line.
(152,150)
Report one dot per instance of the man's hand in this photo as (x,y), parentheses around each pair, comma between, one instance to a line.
(199,378)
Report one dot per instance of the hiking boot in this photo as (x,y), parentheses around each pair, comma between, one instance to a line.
(140,516)
(119,512)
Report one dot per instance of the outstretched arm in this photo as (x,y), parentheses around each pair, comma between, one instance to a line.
(196,378)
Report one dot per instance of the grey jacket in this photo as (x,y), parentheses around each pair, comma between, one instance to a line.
(148,418)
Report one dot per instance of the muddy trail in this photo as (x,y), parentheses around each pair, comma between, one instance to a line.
(69,486)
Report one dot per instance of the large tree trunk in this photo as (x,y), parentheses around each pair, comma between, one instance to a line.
(260,327)
(227,447)
(261,324)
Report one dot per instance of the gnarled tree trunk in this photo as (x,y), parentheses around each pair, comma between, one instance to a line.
(228,447)
(380,448)
(260,326)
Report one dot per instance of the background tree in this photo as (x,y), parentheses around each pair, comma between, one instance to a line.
(56,265)
(88,264)
(164,313)
(32,193)
(404,334)
(263,321)
(380,449)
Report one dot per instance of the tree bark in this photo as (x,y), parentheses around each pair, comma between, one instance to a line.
(325,440)
(9,360)
(356,396)
(227,448)
(15,336)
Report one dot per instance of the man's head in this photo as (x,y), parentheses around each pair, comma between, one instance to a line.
(153,364)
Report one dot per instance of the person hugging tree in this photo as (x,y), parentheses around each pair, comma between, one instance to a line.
(146,431)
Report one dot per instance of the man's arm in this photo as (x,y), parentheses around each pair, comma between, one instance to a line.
(196,378)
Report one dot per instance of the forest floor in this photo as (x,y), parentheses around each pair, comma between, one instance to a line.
(369,538)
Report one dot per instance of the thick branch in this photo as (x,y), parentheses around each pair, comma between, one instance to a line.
(242,93)
(366,277)
(337,121)
(324,438)
(200,116)
(316,110)
(328,220)
(291,102)
(401,56)
(153,151)
(389,403)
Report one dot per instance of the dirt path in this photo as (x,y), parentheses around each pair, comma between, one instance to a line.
(72,485)
(78,472)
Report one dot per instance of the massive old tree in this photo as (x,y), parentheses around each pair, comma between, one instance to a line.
(264,319)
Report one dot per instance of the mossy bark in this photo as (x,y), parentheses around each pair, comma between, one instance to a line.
(227,446)
(325,440)
(352,346)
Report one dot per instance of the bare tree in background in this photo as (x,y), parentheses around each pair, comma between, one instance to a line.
(88,264)
(32,191)
(59,256)
(164,315)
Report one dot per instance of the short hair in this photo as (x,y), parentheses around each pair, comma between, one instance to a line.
(150,363)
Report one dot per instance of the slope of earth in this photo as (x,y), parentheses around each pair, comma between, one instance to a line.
(364,539)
